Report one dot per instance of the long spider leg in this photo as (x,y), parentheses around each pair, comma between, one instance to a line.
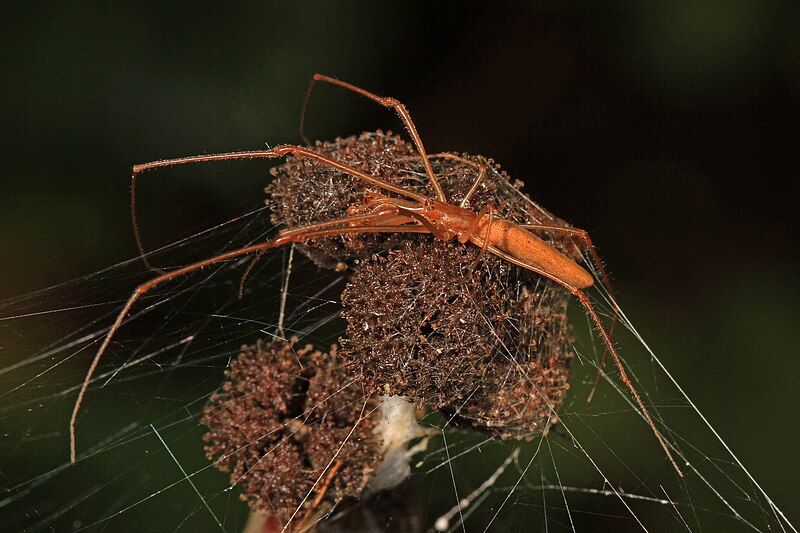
(285,292)
(407,228)
(380,212)
(482,169)
(279,151)
(306,100)
(295,236)
(136,233)
(399,108)
(606,339)
(478,166)
(304,525)
(587,242)
(475,185)
(247,271)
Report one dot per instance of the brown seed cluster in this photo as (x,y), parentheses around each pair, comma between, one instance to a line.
(489,346)
(283,416)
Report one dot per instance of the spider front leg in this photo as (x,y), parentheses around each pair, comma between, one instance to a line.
(294,235)
(277,152)
(307,522)
(386,214)
(399,108)
(136,235)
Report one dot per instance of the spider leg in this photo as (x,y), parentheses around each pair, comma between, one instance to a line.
(455,157)
(587,242)
(247,271)
(379,212)
(399,108)
(305,522)
(295,235)
(581,296)
(278,151)
(136,234)
(477,166)
(284,292)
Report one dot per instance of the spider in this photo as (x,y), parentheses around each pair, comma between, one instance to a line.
(410,212)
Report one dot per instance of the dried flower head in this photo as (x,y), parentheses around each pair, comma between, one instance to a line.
(489,346)
(284,418)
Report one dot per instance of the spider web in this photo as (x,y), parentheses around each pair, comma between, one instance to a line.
(141,462)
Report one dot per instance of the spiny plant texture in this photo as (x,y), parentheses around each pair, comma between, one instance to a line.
(284,417)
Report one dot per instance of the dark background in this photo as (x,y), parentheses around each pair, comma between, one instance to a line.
(669,132)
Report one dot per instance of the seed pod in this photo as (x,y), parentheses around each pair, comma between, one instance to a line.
(285,414)
(490,346)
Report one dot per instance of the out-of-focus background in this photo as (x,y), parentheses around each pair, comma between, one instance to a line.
(668,131)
